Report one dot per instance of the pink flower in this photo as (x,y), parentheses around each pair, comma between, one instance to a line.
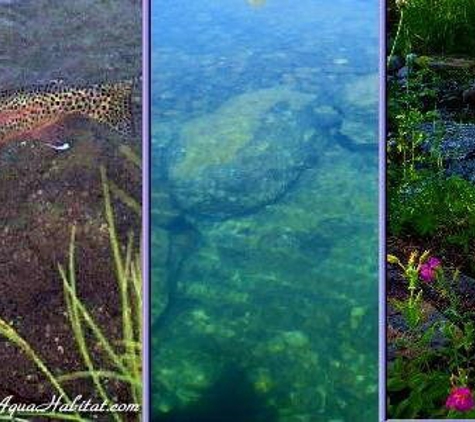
(434,262)
(460,399)
(428,269)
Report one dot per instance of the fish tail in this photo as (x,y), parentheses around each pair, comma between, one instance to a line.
(112,105)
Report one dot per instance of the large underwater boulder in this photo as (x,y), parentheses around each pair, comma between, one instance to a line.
(247,153)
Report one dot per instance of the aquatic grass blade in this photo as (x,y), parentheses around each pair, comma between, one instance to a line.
(122,270)
(100,374)
(12,335)
(113,356)
(128,153)
(125,198)
(76,323)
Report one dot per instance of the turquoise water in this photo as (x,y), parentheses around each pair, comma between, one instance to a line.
(264,211)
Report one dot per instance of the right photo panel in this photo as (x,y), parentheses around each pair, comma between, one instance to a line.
(430,210)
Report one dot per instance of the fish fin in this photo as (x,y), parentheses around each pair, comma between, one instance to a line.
(52,135)
(115,107)
(64,146)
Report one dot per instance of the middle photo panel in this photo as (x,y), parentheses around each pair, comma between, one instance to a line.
(264,211)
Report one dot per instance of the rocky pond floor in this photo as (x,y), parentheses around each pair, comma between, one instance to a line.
(246,294)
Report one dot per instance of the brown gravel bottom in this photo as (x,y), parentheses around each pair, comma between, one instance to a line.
(42,193)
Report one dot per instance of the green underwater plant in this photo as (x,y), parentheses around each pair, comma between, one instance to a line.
(122,359)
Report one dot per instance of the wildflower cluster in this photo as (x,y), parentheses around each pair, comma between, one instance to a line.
(414,270)
(460,399)
(427,270)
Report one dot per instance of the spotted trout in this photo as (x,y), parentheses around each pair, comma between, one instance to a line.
(38,113)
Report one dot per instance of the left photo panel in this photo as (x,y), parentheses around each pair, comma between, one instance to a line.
(71,282)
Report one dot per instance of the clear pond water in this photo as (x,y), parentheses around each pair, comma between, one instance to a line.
(264,210)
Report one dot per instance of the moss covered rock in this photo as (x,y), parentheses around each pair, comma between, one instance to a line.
(361,109)
(246,154)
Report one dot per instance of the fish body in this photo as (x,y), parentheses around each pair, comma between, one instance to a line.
(37,113)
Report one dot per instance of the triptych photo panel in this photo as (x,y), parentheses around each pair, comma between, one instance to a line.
(430,199)
(264,211)
(71,320)
(237,210)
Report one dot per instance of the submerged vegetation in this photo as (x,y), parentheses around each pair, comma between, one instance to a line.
(431,197)
(107,361)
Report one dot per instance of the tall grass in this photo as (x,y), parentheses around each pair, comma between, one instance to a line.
(122,360)
(432,27)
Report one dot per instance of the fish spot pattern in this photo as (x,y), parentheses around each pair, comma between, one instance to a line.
(27,109)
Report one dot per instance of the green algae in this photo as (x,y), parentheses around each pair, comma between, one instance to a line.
(361,95)
(362,91)
(216,138)
(249,272)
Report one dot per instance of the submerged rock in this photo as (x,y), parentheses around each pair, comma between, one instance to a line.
(246,154)
(360,112)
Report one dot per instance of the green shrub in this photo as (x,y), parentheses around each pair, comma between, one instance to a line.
(432,26)
(411,107)
(415,392)
(433,204)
